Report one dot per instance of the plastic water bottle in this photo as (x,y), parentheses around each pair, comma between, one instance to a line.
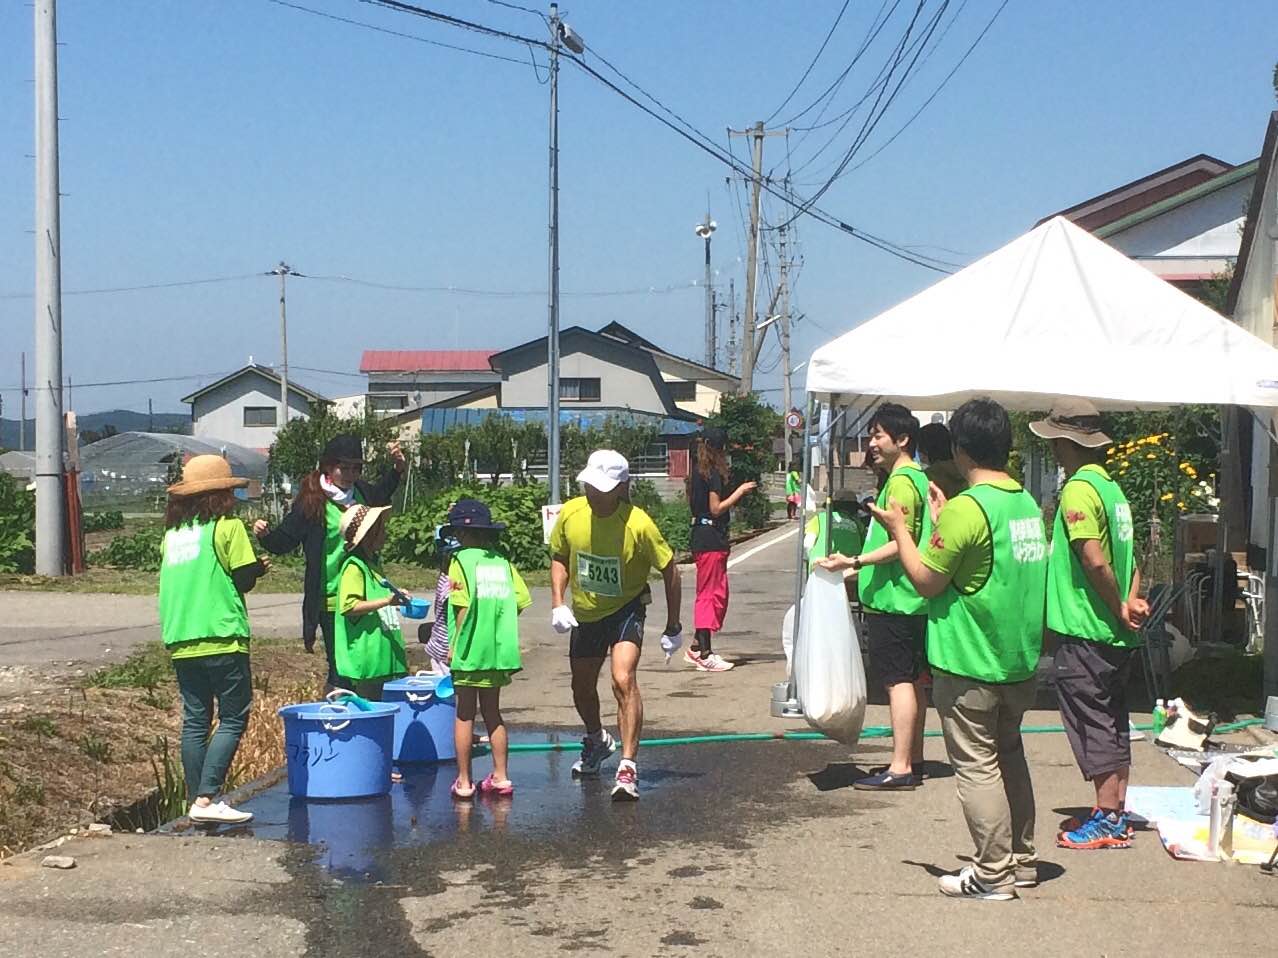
(1160,717)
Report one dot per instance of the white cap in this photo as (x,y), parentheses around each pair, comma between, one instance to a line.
(605,470)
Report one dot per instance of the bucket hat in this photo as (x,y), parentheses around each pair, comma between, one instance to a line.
(605,470)
(208,473)
(714,437)
(1074,419)
(358,521)
(472,514)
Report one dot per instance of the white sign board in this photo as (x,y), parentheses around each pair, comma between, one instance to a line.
(549,516)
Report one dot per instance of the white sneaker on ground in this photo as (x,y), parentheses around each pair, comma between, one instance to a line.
(966,885)
(626,788)
(218,813)
(692,657)
(714,663)
(593,754)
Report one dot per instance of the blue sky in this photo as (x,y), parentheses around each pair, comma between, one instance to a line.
(212,140)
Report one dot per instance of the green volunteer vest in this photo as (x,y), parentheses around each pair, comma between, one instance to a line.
(198,599)
(489,636)
(334,547)
(995,634)
(886,587)
(847,537)
(372,646)
(1073,607)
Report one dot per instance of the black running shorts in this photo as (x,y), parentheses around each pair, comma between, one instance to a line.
(897,645)
(594,640)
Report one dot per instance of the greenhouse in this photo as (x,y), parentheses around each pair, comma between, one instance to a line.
(137,467)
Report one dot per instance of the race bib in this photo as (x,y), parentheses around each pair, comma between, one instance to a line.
(600,575)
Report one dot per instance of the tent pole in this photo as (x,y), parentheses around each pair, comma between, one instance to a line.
(790,706)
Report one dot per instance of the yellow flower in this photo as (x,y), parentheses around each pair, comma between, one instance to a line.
(1167,496)
(1150,455)
(1109,451)
(1124,463)
(1180,506)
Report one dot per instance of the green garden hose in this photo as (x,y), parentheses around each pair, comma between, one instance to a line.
(873,731)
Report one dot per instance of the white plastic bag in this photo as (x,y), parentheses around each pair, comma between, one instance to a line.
(828,670)
(787,640)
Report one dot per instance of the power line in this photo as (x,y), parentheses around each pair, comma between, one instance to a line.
(146,286)
(394,33)
(515,6)
(812,64)
(501,293)
(134,382)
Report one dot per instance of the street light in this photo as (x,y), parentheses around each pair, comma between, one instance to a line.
(705,229)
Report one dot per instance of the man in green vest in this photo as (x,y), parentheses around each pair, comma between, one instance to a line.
(838,530)
(895,614)
(1095,612)
(984,574)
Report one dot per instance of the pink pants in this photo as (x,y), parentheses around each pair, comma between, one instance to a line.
(712,590)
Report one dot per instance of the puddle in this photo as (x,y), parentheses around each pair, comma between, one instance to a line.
(359,838)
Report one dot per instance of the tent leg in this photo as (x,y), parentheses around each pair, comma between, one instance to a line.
(785,696)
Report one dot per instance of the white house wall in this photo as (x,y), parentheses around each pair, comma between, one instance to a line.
(219,413)
(619,386)
(1208,226)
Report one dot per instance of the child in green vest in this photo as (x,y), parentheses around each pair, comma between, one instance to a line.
(369,643)
(486,596)
(207,564)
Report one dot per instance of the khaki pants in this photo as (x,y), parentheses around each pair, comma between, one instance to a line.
(982,727)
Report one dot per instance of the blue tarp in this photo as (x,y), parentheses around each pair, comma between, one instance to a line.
(439,421)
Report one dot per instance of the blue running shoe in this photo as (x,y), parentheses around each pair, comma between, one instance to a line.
(1102,830)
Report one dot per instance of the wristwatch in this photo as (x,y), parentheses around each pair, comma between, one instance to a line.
(856,563)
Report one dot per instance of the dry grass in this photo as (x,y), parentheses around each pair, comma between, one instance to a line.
(78,754)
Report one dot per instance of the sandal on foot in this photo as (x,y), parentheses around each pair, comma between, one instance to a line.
(462,794)
(397,777)
(490,786)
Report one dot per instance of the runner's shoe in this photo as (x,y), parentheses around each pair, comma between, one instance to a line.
(1073,823)
(594,754)
(966,885)
(627,787)
(1102,830)
(692,657)
(714,663)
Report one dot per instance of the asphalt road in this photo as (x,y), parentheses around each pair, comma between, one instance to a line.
(744,849)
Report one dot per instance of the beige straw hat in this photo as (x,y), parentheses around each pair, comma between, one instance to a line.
(1074,419)
(206,474)
(358,521)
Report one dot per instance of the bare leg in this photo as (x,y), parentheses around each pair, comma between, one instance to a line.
(903,706)
(1111,789)
(490,705)
(625,686)
(920,724)
(463,729)
(585,691)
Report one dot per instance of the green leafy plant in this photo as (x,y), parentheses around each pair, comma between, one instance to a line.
(103,521)
(1160,477)
(170,784)
(39,726)
(17,526)
(411,534)
(96,747)
(28,791)
(143,669)
(750,425)
(297,446)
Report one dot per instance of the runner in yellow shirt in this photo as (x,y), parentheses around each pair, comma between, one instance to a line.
(604,548)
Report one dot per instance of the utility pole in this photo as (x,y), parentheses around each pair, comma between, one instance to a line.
(757,134)
(22,420)
(705,229)
(50,499)
(560,33)
(787,400)
(150,415)
(283,271)
(732,326)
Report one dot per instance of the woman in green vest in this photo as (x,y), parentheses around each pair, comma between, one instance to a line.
(314,523)
(368,643)
(844,535)
(207,564)
(487,594)
(793,487)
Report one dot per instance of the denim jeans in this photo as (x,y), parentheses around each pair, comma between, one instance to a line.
(226,679)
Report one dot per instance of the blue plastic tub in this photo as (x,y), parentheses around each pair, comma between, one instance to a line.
(336,751)
(416,608)
(424,721)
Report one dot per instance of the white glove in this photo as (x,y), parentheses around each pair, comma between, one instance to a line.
(562,619)
(670,644)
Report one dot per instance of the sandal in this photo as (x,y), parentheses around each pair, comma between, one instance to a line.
(397,777)
(462,795)
(490,786)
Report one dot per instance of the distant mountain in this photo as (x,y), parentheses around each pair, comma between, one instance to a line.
(124,420)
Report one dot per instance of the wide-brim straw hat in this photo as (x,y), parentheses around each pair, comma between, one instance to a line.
(1076,420)
(208,473)
(358,521)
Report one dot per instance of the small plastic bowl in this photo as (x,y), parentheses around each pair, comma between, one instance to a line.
(416,608)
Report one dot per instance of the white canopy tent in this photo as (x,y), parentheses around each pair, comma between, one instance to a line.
(1056,312)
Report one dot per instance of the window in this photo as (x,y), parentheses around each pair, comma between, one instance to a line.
(683,391)
(580,390)
(260,415)
(387,403)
